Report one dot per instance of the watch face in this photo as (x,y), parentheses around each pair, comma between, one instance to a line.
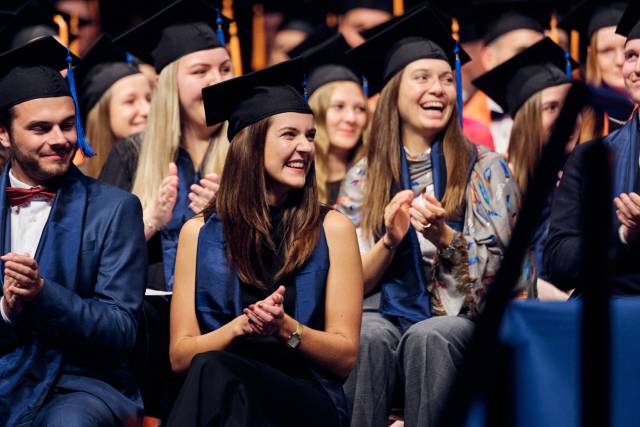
(294,341)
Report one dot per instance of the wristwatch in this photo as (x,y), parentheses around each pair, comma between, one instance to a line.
(296,337)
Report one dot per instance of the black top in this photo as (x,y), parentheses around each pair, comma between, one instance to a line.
(334,191)
(273,261)
(119,170)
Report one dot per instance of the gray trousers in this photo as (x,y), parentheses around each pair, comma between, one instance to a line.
(423,362)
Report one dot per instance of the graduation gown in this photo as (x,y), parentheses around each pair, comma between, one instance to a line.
(77,333)
(563,250)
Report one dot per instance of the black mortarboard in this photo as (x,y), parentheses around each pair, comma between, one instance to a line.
(590,16)
(504,16)
(538,67)
(347,5)
(32,72)
(255,96)
(629,25)
(183,27)
(471,28)
(102,66)
(416,35)
(326,62)
(30,21)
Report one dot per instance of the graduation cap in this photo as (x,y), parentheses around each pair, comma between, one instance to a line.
(504,16)
(183,27)
(297,24)
(347,5)
(255,96)
(590,16)
(629,25)
(416,35)
(538,67)
(30,21)
(470,28)
(325,62)
(102,66)
(32,72)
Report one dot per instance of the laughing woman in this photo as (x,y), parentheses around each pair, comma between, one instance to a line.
(433,214)
(173,168)
(267,300)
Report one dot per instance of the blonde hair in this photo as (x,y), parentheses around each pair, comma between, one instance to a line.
(593,75)
(319,102)
(99,135)
(162,139)
(383,161)
(525,143)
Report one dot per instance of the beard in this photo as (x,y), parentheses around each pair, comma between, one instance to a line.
(34,166)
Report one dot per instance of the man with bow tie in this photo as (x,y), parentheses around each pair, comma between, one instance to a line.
(73,260)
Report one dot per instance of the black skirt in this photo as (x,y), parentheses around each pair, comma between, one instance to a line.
(257,381)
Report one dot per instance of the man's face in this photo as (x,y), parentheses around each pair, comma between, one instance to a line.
(631,69)
(509,45)
(43,138)
(357,20)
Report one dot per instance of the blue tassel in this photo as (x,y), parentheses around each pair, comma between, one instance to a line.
(129,58)
(567,65)
(83,144)
(456,51)
(219,31)
(365,86)
(304,86)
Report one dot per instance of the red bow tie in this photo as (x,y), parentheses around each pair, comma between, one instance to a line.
(19,196)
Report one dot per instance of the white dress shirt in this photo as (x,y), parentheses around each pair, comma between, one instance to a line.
(27,223)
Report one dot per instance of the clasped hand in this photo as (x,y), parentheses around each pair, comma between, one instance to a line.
(267,316)
(628,213)
(22,282)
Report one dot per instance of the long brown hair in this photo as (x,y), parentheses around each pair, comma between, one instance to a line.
(100,135)
(383,160)
(593,125)
(319,102)
(242,207)
(525,143)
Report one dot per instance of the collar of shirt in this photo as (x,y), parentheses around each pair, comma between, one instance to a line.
(15,182)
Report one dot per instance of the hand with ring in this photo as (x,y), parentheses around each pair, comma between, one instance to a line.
(429,218)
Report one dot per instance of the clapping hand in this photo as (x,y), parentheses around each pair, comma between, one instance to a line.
(22,282)
(204,193)
(161,210)
(429,218)
(266,316)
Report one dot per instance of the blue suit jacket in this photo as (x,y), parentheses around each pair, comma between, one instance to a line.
(78,331)
(563,252)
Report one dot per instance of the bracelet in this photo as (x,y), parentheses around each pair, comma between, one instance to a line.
(387,245)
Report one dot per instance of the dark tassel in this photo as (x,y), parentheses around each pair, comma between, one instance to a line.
(567,64)
(365,86)
(219,31)
(456,51)
(83,144)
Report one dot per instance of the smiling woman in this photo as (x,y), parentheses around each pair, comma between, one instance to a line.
(268,291)
(433,215)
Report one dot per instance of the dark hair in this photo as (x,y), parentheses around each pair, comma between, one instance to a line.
(6,116)
(242,206)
